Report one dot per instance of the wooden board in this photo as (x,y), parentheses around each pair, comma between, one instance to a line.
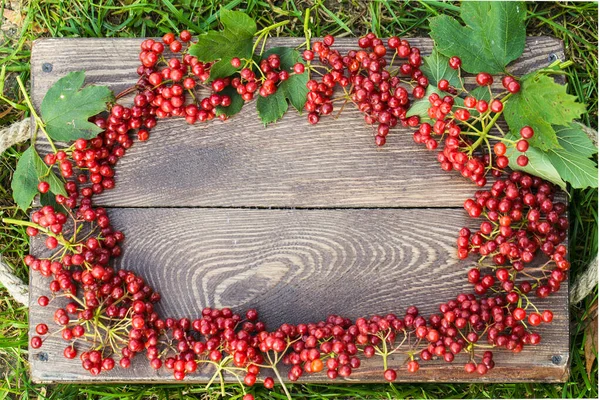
(298,221)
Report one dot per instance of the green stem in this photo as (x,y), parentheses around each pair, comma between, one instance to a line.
(262,35)
(307,32)
(38,121)
(276,371)
(45,231)
(271,27)
(485,131)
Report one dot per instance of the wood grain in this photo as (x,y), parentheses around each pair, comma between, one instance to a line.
(299,266)
(240,163)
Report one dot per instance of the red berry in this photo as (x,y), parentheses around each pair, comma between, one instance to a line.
(185,36)
(482,106)
(41,329)
(526,132)
(522,160)
(43,301)
(514,87)
(390,375)
(522,145)
(36,342)
(455,62)
(499,149)
(484,79)
(51,242)
(269,383)
(175,46)
(236,62)
(547,316)
(168,38)
(43,187)
(519,314)
(413,366)
(443,85)
(496,106)
(534,319)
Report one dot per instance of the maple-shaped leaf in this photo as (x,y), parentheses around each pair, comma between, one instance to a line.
(540,104)
(494,34)
(219,47)
(67,107)
(30,170)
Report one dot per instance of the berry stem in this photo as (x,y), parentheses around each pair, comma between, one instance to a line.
(45,231)
(38,121)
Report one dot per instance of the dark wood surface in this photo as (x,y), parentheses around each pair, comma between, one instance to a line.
(298,221)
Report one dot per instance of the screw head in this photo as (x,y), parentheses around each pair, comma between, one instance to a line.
(556,359)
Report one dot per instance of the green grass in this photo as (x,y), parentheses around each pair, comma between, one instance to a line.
(574,23)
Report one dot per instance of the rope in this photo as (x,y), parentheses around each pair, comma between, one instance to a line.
(15,286)
(15,133)
(585,282)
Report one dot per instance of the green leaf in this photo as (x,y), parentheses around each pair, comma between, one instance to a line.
(578,170)
(67,107)
(574,140)
(295,90)
(235,40)
(238,23)
(494,34)
(236,102)
(539,163)
(271,108)
(30,170)
(481,93)
(540,104)
(436,67)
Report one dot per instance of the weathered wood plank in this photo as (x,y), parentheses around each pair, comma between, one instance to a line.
(241,163)
(299,266)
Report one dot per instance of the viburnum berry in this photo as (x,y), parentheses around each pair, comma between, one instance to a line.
(413,366)
(454,62)
(43,187)
(390,375)
(496,106)
(484,79)
(526,132)
(236,62)
(522,160)
(185,36)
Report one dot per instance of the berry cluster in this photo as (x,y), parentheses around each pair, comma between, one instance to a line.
(166,82)
(110,317)
(464,124)
(368,80)
(521,218)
